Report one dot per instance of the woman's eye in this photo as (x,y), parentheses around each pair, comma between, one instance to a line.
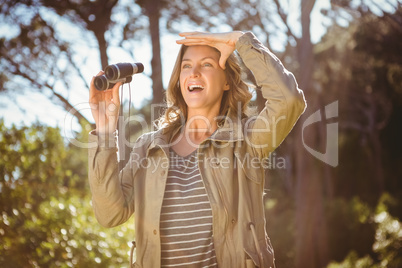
(207,64)
(186,66)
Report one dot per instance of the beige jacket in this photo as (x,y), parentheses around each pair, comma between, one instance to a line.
(230,166)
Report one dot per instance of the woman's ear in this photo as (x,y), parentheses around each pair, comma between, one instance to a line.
(226,87)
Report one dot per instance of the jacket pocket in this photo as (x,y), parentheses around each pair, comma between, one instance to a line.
(251,259)
(250,263)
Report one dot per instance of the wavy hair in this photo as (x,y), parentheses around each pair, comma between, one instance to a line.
(235,99)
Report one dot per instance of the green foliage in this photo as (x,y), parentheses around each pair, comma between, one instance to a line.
(388,240)
(388,237)
(46,214)
(353,261)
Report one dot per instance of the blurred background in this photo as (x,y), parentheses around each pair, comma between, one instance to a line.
(334,187)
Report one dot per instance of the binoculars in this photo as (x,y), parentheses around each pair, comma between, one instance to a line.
(114,73)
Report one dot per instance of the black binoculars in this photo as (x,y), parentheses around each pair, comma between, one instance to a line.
(114,73)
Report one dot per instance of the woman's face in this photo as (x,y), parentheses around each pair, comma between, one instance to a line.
(202,80)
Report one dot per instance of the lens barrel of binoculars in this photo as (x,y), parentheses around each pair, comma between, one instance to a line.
(102,83)
(122,70)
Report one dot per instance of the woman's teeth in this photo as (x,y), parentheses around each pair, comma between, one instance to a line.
(195,87)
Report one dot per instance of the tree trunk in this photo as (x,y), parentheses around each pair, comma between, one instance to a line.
(100,36)
(311,234)
(152,8)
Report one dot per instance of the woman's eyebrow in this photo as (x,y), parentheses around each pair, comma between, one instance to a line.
(200,60)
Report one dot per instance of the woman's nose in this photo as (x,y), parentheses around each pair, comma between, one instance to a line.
(195,71)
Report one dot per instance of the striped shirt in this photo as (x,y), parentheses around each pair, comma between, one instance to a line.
(186,217)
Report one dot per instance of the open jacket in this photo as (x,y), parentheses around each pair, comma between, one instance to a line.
(230,163)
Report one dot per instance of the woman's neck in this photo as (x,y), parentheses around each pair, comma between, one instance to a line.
(200,127)
(196,130)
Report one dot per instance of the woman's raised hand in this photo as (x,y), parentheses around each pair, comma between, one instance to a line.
(224,42)
(105,107)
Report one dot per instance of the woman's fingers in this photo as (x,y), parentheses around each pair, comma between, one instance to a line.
(93,92)
(104,106)
(193,42)
(199,39)
(194,38)
(222,61)
(194,34)
(115,94)
(224,48)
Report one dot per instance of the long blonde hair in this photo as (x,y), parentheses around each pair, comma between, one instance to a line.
(175,114)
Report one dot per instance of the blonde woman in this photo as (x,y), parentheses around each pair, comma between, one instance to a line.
(196,185)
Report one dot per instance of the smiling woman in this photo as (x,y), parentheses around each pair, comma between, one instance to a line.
(197,202)
(234,100)
(202,81)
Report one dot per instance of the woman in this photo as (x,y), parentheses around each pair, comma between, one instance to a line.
(196,185)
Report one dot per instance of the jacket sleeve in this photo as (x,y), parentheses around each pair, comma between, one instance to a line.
(112,191)
(284,100)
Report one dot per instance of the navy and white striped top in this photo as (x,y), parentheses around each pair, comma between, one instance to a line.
(186,217)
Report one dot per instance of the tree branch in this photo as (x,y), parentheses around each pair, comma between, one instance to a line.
(67,105)
(284,19)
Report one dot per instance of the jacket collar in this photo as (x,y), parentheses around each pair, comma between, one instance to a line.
(229,131)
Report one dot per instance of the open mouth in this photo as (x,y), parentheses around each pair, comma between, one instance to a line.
(192,88)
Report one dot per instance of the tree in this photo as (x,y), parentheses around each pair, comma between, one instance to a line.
(362,69)
(42,43)
(22,56)
(47,219)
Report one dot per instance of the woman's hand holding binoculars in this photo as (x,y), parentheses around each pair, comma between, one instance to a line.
(105,105)
(104,94)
